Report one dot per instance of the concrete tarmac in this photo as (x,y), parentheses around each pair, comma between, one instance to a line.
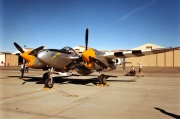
(154,96)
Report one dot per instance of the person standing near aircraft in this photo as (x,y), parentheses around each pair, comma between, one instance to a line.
(22,68)
(140,70)
(26,68)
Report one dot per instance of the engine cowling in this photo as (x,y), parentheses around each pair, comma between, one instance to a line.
(35,63)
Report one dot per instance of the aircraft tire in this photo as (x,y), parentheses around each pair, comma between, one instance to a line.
(102,79)
(45,76)
(48,84)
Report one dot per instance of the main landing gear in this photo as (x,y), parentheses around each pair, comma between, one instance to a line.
(48,83)
(47,78)
(102,80)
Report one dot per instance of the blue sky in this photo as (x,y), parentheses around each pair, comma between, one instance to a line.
(113,24)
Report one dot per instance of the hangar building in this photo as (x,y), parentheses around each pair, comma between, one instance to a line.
(167,59)
(8,59)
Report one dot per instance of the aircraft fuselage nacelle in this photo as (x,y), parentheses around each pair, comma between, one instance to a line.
(36,63)
(58,59)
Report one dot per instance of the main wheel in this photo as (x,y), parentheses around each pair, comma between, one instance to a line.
(48,83)
(45,76)
(102,79)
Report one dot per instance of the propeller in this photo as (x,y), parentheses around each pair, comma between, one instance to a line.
(22,51)
(69,66)
(22,75)
(18,47)
(86,38)
(35,51)
(98,62)
(89,54)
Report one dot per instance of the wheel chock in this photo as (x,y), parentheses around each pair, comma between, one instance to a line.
(46,88)
(98,84)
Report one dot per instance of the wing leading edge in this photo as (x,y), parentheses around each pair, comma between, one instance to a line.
(139,53)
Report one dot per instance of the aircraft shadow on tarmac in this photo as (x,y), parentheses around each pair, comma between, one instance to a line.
(168,113)
(76,81)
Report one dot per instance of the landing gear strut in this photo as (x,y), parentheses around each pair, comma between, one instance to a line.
(102,79)
(47,78)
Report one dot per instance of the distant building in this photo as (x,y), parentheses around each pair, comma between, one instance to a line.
(167,59)
(8,59)
(148,46)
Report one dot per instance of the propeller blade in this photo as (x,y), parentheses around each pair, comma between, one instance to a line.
(18,47)
(35,51)
(70,65)
(75,62)
(86,38)
(22,75)
(98,62)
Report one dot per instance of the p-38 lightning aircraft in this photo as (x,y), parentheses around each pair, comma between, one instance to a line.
(66,59)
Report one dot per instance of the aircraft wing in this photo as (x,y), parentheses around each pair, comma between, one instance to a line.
(138,53)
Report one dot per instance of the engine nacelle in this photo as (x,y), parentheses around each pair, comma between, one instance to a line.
(83,70)
(36,63)
(117,61)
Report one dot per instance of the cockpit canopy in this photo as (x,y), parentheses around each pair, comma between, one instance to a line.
(68,50)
